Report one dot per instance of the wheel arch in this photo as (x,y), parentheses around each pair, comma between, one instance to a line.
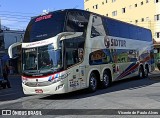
(96,72)
(108,70)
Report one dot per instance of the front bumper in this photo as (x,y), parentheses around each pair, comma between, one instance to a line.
(55,88)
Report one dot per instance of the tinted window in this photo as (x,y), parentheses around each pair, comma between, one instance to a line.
(133,32)
(97,27)
(124,30)
(44,27)
(77,21)
(117,28)
(111,27)
(148,35)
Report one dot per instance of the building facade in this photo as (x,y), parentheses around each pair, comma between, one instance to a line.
(8,37)
(145,13)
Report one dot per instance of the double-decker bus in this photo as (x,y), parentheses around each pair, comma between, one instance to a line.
(69,50)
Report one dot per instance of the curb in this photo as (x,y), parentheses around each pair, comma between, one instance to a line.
(155,74)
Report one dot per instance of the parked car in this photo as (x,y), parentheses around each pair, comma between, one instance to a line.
(3,83)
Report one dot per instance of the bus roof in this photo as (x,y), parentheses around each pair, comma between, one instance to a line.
(67,10)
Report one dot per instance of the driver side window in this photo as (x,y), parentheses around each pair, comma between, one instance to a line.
(74,49)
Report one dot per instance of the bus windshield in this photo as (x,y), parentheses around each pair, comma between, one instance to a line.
(46,26)
(44,59)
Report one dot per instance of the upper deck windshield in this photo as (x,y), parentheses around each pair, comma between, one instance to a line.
(45,26)
(41,59)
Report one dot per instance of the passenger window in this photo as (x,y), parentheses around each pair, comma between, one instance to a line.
(77,22)
(97,27)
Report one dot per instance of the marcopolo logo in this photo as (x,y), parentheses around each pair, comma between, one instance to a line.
(114,42)
(106,42)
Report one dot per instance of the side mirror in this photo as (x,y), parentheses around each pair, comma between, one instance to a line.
(10,49)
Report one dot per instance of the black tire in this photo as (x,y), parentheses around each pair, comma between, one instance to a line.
(141,72)
(106,79)
(146,71)
(92,83)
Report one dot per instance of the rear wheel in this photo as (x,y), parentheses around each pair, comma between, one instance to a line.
(106,80)
(92,82)
(141,72)
(146,71)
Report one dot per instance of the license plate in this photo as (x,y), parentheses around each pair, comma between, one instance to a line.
(38,90)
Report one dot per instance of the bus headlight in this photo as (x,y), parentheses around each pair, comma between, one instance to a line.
(24,80)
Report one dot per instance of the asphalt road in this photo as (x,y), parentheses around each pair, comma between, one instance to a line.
(126,94)
(14,92)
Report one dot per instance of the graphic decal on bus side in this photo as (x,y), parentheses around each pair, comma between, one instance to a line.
(115,68)
(52,77)
(133,67)
(74,84)
(106,56)
(58,75)
(116,56)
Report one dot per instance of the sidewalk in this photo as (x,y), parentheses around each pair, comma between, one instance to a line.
(155,74)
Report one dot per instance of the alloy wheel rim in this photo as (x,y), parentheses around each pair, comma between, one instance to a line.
(93,82)
(146,72)
(140,73)
(106,79)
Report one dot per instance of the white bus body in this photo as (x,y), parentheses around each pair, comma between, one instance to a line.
(111,50)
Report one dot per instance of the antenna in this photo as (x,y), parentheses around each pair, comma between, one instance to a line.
(45,12)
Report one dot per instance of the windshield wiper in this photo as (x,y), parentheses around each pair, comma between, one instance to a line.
(46,71)
(30,72)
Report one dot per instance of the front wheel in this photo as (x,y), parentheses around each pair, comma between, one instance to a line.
(92,83)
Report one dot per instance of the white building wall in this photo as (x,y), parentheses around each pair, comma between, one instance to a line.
(157,23)
(11,37)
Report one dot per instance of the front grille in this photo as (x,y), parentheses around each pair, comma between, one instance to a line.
(36,84)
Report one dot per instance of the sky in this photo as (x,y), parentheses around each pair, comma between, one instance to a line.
(16,14)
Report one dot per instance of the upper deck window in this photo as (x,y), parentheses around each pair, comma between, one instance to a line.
(77,21)
(45,26)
